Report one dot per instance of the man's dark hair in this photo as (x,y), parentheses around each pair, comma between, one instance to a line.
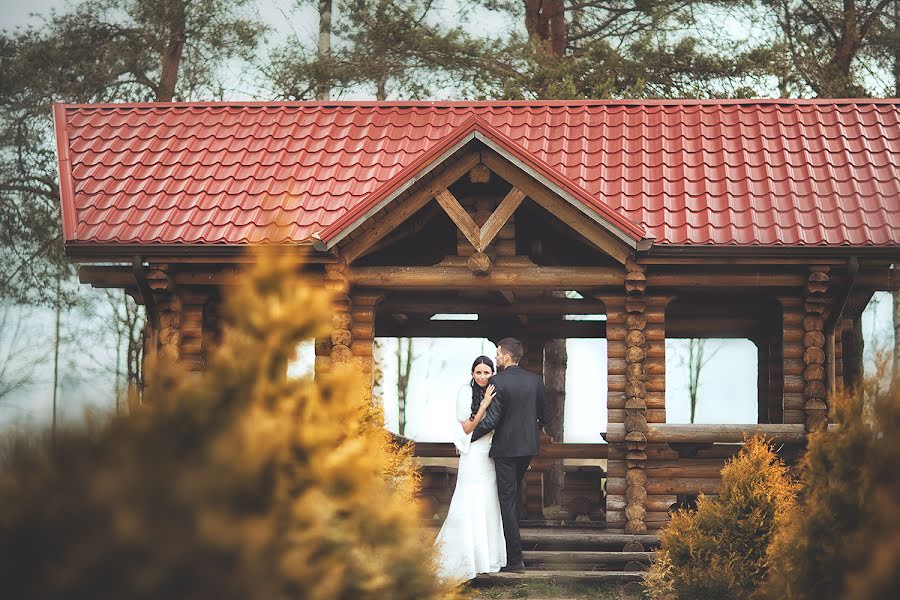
(513,347)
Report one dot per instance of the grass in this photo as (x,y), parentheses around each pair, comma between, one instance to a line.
(543,590)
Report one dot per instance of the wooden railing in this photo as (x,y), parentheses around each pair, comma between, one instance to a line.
(780,433)
(582,491)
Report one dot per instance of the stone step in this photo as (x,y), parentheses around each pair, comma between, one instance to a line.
(555,538)
(568,576)
(584,560)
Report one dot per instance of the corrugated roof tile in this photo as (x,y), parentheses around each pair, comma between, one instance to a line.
(720,172)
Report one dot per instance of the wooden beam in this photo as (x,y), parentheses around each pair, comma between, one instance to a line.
(500,278)
(388,327)
(733,260)
(545,307)
(590,230)
(459,216)
(404,209)
(727,434)
(725,279)
(499,217)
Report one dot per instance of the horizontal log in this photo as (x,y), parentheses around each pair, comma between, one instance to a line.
(688,486)
(759,279)
(618,416)
(654,452)
(794,417)
(501,277)
(562,306)
(683,433)
(711,469)
(653,504)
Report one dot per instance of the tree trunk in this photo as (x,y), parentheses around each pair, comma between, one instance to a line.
(404,362)
(695,364)
(895,369)
(56,345)
(545,20)
(324,88)
(171,58)
(555,359)
(852,351)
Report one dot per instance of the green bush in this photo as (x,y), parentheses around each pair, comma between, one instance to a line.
(718,551)
(240,483)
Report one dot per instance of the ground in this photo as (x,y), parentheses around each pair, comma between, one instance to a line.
(542,590)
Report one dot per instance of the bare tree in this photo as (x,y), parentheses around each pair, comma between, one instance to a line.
(895,370)
(699,355)
(17,355)
(404,365)
(324,91)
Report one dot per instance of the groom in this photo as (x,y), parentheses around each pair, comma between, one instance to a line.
(514,415)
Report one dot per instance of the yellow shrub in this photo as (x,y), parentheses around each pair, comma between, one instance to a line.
(719,550)
(238,484)
(842,540)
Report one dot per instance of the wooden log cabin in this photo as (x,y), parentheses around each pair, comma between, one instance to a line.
(770,220)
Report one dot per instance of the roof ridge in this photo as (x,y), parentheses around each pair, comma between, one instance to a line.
(490,103)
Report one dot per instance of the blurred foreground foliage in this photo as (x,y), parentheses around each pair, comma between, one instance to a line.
(842,541)
(237,483)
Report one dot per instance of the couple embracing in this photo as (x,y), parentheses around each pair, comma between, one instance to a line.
(499,419)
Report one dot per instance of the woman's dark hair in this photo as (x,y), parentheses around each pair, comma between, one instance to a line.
(477,390)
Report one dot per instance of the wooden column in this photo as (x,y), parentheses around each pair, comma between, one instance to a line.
(792,359)
(169,314)
(534,480)
(555,359)
(627,345)
(615,407)
(352,327)
(815,306)
(362,316)
(339,349)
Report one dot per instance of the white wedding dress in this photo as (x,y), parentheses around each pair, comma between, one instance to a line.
(471,540)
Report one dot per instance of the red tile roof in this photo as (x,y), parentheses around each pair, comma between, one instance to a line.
(809,173)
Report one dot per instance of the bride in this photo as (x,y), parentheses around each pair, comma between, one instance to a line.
(471,540)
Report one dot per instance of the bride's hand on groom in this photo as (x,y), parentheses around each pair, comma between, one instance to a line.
(489,394)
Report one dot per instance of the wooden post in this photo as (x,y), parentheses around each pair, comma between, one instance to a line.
(792,359)
(814,389)
(169,313)
(362,318)
(534,479)
(627,346)
(352,327)
(555,359)
(635,398)
(339,345)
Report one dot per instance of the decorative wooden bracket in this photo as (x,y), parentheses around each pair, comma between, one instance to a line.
(480,238)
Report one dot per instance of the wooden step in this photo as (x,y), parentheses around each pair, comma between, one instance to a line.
(570,576)
(538,538)
(583,559)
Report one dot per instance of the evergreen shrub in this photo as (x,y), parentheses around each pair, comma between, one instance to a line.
(718,551)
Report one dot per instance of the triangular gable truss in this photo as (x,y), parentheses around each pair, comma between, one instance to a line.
(593,220)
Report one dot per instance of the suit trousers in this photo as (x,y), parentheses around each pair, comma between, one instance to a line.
(510,484)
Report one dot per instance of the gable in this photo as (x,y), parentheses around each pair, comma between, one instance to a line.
(477,143)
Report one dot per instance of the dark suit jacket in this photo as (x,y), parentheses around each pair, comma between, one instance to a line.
(514,414)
